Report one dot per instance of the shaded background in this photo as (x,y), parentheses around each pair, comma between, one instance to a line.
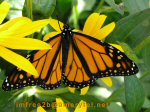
(132,32)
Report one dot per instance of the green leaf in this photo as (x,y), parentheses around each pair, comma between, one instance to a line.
(144,75)
(134,94)
(113,107)
(144,54)
(6,102)
(132,29)
(129,52)
(145,78)
(148,110)
(117,96)
(142,45)
(40,8)
(115,6)
(134,6)
(63,10)
(1,1)
(146,103)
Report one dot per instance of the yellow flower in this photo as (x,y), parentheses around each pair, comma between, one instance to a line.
(92,27)
(40,109)
(60,107)
(11,37)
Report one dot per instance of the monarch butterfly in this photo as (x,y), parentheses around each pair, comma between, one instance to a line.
(75,59)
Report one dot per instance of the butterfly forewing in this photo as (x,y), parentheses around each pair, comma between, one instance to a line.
(47,63)
(101,59)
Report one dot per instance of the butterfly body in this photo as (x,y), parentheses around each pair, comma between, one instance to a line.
(67,36)
(75,59)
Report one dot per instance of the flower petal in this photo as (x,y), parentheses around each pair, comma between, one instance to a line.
(93,24)
(118,47)
(50,35)
(25,30)
(18,61)
(24,43)
(72,90)
(84,90)
(4,9)
(60,106)
(6,34)
(105,31)
(40,109)
(15,23)
(76,30)
(31,28)
(56,24)
(81,107)
(107,81)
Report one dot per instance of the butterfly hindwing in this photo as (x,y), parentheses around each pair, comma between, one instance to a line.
(47,63)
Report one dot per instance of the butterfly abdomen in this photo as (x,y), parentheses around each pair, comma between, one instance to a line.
(66,40)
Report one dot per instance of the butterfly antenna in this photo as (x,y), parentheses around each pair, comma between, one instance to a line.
(59,25)
(58,22)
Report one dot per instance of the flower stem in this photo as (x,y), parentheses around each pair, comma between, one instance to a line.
(29,12)
(29,9)
(99,7)
(75,14)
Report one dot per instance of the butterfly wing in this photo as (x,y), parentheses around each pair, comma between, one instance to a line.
(75,74)
(101,59)
(47,63)
(89,59)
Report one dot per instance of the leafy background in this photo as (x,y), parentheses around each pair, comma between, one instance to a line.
(128,94)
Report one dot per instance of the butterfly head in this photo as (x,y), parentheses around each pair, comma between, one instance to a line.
(66,26)
(66,32)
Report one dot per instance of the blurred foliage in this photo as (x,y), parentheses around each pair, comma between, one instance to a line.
(133,91)
(132,32)
(40,8)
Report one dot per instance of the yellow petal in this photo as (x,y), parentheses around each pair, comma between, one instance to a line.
(40,109)
(4,9)
(105,31)
(76,30)
(50,35)
(56,24)
(15,23)
(31,28)
(81,107)
(93,24)
(107,81)
(60,106)
(72,90)
(84,90)
(24,43)
(18,60)
(118,47)
(6,34)
(25,30)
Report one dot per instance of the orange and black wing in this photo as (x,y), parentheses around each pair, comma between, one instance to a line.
(75,74)
(47,63)
(89,59)
(101,59)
